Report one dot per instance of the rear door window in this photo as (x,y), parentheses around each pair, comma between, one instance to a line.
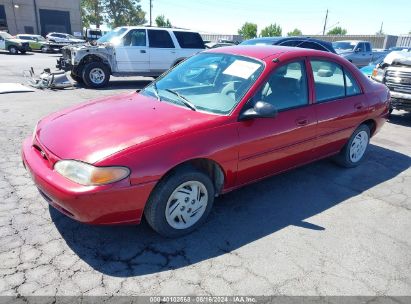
(332,82)
(367,47)
(189,40)
(160,39)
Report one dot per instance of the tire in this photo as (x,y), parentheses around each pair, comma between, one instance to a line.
(354,151)
(163,199)
(101,75)
(76,78)
(44,49)
(13,50)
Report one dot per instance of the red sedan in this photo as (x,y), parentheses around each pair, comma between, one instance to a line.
(218,121)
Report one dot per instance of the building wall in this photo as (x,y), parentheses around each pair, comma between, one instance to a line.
(24,15)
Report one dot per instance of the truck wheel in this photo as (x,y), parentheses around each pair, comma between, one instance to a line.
(76,78)
(13,50)
(96,75)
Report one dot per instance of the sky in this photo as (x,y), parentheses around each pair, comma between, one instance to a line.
(227,16)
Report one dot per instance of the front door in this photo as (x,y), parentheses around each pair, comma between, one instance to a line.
(272,145)
(132,55)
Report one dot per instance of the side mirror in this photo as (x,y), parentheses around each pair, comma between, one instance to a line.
(357,50)
(261,109)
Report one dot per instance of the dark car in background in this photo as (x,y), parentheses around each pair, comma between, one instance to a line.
(302,42)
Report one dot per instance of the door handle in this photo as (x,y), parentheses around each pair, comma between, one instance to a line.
(143,51)
(358,106)
(303,121)
(173,52)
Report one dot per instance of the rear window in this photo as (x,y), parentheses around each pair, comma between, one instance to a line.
(160,39)
(189,40)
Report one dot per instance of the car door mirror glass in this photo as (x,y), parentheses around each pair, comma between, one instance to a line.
(357,50)
(261,109)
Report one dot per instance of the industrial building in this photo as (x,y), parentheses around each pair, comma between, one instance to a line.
(40,16)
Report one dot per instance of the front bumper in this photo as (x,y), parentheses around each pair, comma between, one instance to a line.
(400,101)
(118,203)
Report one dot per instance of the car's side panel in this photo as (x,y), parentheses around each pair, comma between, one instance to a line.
(271,145)
(153,162)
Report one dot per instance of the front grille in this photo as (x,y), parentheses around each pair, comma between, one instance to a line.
(398,80)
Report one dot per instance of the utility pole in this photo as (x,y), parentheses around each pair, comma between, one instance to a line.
(151,7)
(325,22)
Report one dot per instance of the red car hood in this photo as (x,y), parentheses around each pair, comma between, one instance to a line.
(95,130)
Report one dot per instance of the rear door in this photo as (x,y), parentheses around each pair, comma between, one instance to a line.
(132,55)
(271,145)
(2,43)
(162,50)
(339,105)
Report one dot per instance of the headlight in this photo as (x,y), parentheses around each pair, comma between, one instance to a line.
(88,175)
(378,75)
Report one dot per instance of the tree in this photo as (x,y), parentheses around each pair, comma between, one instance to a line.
(92,12)
(271,31)
(123,12)
(248,30)
(337,31)
(162,22)
(295,32)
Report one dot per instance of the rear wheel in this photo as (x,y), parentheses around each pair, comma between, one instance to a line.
(13,50)
(180,203)
(353,152)
(96,75)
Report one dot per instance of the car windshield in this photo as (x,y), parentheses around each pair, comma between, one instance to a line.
(111,35)
(40,38)
(344,45)
(6,35)
(207,82)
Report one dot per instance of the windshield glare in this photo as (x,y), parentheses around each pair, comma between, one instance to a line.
(111,35)
(343,45)
(211,82)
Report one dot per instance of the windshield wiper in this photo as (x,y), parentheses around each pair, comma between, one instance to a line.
(155,90)
(184,100)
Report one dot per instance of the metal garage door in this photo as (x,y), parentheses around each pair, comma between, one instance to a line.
(54,21)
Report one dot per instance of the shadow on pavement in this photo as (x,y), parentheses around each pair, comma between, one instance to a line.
(238,218)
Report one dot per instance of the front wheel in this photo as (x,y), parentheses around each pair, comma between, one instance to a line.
(180,203)
(353,152)
(96,75)
(44,49)
(13,50)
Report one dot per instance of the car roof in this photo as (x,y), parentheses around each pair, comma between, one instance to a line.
(157,28)
(278,40)
(263,51)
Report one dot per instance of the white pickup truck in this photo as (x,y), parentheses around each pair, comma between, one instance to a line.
(129,51)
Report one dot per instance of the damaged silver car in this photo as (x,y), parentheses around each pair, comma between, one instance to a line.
(395,73)
(129,51)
